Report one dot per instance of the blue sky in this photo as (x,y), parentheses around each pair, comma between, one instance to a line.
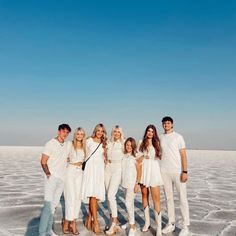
(118,62)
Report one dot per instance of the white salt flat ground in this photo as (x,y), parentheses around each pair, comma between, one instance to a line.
(211,194)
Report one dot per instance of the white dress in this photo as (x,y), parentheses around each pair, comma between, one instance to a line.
(93,179)
(151,173)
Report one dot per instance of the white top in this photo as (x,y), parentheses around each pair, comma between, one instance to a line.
(171,144)
(129,172)
(58,154)
(115,151)
(150,152)
(76,155)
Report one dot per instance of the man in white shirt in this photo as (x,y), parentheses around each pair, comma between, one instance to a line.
(53,161)
(174,172)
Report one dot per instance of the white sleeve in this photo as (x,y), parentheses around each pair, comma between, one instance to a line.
(181,143)
(70,150)
(139,153)
(48,149)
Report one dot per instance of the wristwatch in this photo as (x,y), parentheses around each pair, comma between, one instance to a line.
(185,171)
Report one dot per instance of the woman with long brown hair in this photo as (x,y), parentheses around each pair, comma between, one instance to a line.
(151,180)
(93,187)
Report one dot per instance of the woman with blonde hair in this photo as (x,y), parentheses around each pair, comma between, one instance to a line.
(149,156)
(93,187)
(74,175)
(113,172)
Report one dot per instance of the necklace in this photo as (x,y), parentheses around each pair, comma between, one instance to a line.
(61,143)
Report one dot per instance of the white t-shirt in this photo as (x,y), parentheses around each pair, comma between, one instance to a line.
(171,144)
(58,154)
(115,151)
(129,172)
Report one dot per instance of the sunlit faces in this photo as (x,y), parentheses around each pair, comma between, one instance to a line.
(99,132)
(63,133)
(128,147)
(79,135)
(150,133)
(167,126)
(117,134)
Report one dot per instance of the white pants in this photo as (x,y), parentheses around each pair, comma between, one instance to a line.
(72,192)
(53,189)
(171,180)
(129,203)
(112,182)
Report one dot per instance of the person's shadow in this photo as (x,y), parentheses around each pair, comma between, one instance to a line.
(33,225)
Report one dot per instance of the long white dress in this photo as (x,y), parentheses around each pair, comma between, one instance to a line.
(151,173)
(93,180)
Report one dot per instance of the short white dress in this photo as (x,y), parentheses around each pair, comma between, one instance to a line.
(93,179)
(151,173)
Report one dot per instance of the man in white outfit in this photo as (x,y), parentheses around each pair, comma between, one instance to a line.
(53,161)
(174,172)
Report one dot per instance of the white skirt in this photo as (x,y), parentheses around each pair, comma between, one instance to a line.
(151,173)
(93,180)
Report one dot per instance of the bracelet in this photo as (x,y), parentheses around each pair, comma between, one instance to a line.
(185,171)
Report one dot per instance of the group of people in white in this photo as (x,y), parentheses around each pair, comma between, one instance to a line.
(89,169)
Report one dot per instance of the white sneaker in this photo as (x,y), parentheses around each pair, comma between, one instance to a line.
(168,229)
(52,233)
(132,232)
(184,232)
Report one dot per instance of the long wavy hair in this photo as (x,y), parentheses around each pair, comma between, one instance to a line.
(104,137)
(83,143)
(155,141)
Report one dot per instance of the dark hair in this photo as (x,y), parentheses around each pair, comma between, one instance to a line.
(133,145)
(167,118)
(155,141)
(64,126)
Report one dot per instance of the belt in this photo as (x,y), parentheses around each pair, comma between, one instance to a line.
(76,163)
(114,161)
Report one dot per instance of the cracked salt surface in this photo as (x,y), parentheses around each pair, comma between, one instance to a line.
(211,194)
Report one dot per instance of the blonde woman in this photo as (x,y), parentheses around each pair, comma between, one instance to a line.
(113,172)
(73,183)
(93,187)
(151,180)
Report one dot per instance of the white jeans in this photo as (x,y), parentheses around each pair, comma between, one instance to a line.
(129,203)
(112,182)
(171,180)
(53,188)
(72,192)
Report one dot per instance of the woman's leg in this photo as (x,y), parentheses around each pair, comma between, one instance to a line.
(93,208)
(145,196)
(88,220)
(155,191)
(112,191)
